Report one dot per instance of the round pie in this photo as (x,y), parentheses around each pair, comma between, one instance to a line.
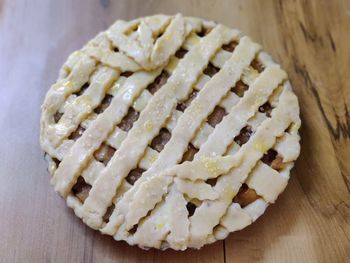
(170,131)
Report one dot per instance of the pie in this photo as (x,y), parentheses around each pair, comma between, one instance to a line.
(170,131)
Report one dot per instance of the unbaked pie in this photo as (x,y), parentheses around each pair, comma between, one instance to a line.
(170,131)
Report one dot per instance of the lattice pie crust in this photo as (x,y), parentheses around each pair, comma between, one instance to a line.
(170,131)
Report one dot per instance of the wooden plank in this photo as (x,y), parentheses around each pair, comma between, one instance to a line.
(310,222)
(36,226)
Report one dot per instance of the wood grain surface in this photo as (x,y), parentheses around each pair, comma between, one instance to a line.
(310,222)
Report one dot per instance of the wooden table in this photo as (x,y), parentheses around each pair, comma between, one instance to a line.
(310,221)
